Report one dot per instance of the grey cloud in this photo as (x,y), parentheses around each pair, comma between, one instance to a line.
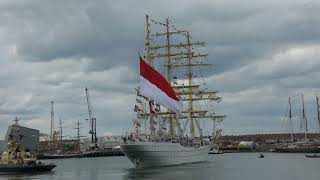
(262,52)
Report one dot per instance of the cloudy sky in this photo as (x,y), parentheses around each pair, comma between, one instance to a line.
(262,51)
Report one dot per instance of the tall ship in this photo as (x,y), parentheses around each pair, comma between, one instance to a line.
(173,102)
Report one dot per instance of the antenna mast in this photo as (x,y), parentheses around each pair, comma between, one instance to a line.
(92,119)
(16,121)
(52,122)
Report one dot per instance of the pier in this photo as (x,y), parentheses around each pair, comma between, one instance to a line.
(271,142)
(98,153)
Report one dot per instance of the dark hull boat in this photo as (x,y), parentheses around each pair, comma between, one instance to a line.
(313,156)
(59,156)
(26,168)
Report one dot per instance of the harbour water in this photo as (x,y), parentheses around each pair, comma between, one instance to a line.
(235,166)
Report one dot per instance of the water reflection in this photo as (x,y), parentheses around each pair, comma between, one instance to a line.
(24,175)
(185,172)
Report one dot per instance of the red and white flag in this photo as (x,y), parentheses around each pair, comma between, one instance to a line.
(154,86)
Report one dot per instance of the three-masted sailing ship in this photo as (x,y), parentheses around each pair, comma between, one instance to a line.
(165,109)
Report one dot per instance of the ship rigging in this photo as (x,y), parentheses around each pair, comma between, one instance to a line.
(181,61)
(172,75)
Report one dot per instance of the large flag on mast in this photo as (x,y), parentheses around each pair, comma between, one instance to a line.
(154,86)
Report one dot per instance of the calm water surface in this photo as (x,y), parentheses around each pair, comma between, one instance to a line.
(241,166)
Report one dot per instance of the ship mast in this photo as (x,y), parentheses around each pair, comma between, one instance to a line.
(149,58)
(190,83)
(181,55)
(169,72)
(78,134)
(150,62)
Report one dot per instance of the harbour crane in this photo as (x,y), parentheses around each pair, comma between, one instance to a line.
(92,120)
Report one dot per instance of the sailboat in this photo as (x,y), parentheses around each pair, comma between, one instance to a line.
(318,118)
(167,104)
(304,146)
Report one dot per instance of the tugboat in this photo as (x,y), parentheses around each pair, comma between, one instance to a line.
(15,159)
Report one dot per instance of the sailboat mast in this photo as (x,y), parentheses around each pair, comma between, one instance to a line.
(52,122)
(304,119)
(318,113)
(60,122)
(290,120)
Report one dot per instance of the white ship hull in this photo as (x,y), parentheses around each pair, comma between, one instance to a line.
(153,154)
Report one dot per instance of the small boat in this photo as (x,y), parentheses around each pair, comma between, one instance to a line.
(215,151)
(313,156)
(261,156)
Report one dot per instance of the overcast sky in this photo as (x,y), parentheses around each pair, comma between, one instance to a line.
(262,51)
